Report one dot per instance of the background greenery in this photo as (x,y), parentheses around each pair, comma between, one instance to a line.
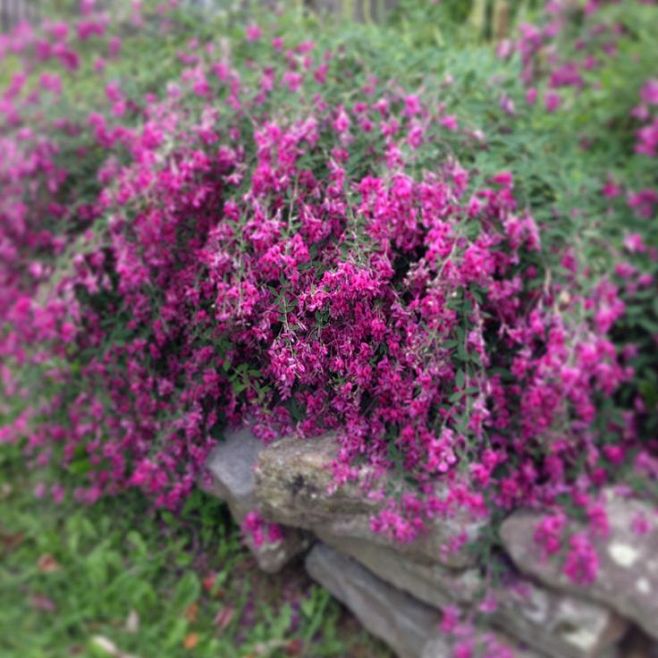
(117,580)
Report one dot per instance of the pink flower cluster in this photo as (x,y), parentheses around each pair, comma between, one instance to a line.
(467,642)
(260,247)
(260,531)
(647,114)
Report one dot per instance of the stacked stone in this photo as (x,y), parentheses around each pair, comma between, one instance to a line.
(397,591)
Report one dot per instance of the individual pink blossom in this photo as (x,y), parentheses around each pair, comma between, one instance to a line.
(649,92)
(552,101)
(549,533)
(253,32)
(450,122)
(582,562)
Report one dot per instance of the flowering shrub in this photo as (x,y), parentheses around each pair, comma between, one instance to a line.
(280,236)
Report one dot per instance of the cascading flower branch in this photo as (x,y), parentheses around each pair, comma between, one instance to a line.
(258,251)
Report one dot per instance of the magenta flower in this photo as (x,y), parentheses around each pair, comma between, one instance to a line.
(552,101)
(253,32)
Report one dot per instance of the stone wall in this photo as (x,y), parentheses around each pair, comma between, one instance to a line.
(398,590)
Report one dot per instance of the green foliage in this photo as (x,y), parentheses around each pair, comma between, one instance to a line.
(437,22)
(74,579)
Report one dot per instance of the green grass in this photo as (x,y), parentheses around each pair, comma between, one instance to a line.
(118,580)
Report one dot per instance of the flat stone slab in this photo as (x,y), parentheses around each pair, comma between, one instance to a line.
(627,578)
(401,621)
(434,584)
(408,626)
(295,486)
(558,624)
(231,466)
(487,644)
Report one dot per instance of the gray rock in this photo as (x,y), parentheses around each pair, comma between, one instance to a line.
(231,466)
(628,573)
(433,584)
(295,486)
(484,643)
(558,624)
(408,626)
(401,621)
(294,481)
(436,648)
(273,556)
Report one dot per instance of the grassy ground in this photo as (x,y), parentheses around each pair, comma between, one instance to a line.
(116,580)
